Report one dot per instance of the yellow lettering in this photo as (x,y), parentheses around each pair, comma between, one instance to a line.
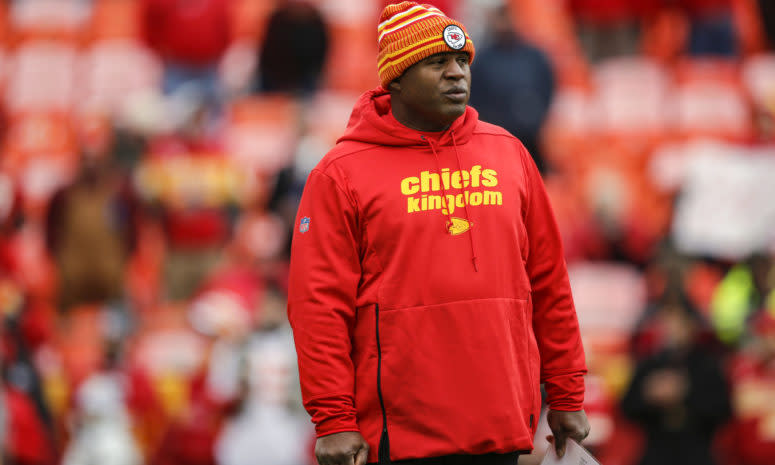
(445,177)
(449,204)
(457,179)
(429,181)
(435,202)
(476,198)
(424,202)
(489,178)
(410,185)
(493,198)
(459,201)
(413,205)
(476,173)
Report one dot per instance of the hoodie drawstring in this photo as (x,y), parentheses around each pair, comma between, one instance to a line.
(443,189)
(474,258)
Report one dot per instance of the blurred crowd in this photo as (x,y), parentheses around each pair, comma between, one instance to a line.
(153,152)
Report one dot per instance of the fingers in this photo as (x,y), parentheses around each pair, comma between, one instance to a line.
(560,437)
(580,434)
(559,443)
(349,457)
(362,455)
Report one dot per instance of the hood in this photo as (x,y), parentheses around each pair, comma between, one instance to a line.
(372,122)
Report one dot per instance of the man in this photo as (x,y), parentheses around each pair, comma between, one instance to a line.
(514,83)
(428,291)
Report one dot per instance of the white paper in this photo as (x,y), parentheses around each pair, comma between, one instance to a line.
(574,455)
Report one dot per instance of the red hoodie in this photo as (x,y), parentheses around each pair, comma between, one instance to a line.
(423,338)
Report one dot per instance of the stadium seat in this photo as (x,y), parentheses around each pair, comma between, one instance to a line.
(115,19)
(326,118)
(30,85)
(758,76)
(113,70)
(262,132)
(40,153)
(631,94)
(572,118)
(49,19)
(549,25)
(249,18)
(709,101)
(711,110)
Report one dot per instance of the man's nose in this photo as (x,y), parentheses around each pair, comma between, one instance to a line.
(454,70)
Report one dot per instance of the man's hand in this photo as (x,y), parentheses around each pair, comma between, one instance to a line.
(347,448)
(565,425)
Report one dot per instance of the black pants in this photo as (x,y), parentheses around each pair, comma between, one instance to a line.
(486,459)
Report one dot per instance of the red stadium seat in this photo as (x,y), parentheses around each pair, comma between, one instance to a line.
(572,118)
(262,132)
(115,19)
(249,18)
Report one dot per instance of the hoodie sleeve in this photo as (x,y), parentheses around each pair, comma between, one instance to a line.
(555,323)
(324,275)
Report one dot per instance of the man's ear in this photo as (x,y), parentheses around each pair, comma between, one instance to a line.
(395,85)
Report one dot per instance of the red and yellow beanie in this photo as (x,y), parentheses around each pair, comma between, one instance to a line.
(409,32)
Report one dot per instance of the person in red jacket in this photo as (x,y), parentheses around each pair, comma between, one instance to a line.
(428,293)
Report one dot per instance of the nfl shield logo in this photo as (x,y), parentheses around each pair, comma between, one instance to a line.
(304,226)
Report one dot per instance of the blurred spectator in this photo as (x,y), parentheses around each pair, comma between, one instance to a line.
(103,428)
(190,438)
(193,187)
(25,441)
(190,37)
(712,27)
(270,425)
(678,395)
(28,424)
(750,437)
(515,83)
(767,10)
(610,28)
(90,231)
(294,50)
(746,290)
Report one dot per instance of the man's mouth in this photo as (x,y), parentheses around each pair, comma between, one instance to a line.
(456,93)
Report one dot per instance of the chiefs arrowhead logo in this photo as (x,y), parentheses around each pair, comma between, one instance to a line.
(454,37)
(458,226)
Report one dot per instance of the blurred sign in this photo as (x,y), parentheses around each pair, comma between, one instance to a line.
(727,206)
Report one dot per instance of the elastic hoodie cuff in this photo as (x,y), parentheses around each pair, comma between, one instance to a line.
(565,392)
(338,424)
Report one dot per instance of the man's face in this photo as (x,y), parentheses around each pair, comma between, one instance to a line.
(433,93)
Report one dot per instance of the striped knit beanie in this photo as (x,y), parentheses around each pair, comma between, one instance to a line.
(409,32)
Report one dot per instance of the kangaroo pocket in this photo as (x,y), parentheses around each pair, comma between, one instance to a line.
(456,378)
